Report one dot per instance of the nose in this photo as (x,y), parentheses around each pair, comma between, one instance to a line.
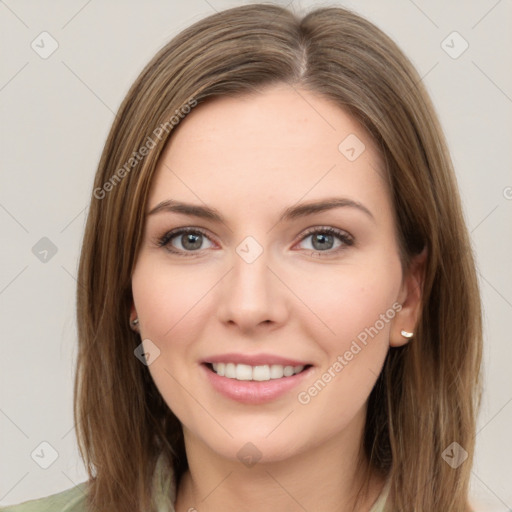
(252,296)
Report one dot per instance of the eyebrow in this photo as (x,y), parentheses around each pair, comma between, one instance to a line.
(290,213)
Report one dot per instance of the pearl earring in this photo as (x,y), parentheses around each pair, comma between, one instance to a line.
(406,334)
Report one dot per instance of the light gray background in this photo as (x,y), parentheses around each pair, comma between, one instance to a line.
(55,116)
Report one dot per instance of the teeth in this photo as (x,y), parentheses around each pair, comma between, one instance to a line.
(276,371)
(261,373)
(243,372)
(257,373)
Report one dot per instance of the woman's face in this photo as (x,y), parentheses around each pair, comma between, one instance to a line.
(277,285)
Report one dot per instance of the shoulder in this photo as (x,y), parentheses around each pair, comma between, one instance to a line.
(379,505)
(70,500)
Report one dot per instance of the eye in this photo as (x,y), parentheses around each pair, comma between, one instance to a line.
(190,240)
(183,240)
(323,239)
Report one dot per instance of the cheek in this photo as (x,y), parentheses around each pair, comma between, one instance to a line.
(347,302)
(170,304)
(356,304)
(169,300)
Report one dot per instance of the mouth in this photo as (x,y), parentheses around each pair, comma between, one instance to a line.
(255,385)
(255,378)
(259,373)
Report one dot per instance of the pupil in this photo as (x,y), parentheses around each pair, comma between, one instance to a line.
(194,240)
(322,238)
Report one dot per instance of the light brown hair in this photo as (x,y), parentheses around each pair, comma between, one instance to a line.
(428,393)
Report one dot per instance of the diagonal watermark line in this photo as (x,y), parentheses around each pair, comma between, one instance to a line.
(76,14)
(312,107)
(14,218)
(424,14)
(293,410)
(485,15)
(70,274)
(3,2)
(73,219)
(379,172)
(495,289)
(425,74)
(5,495)
(84,493)
(88,87)
(509,506)
(199,300)
(14,423)
(302,301)
(286,491)
(492,81)
(485,218)
(199,403)
(14,76)
(213,8)
(12,280)
(71,480)
(503,407)
(375,374)
(216,487)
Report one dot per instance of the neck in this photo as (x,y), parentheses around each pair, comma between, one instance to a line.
(326,476)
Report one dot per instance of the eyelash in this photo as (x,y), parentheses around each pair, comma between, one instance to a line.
(344,237)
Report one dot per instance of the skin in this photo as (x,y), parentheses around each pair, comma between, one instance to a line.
(250,157)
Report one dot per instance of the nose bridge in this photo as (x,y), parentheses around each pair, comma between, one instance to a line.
(252,294)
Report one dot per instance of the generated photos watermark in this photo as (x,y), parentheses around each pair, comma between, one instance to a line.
(145,149)
(342,360)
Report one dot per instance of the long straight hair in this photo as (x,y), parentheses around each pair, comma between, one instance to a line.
(428,393)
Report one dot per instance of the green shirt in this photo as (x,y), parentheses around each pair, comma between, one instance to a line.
(74,499)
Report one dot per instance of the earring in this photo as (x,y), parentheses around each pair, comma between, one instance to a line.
(134,323)
(406,334)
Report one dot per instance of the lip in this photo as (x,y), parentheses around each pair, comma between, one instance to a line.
(254,359)
(253,392)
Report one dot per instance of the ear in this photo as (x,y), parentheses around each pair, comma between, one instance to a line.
(133,312)
(409,297)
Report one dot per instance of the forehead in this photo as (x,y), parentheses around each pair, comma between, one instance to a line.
(283,144)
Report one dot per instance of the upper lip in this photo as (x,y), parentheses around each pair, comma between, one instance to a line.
(254,359)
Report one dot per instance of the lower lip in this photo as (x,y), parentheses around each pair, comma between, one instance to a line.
(254,392)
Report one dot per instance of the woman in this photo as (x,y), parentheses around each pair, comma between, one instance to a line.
(277,301)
